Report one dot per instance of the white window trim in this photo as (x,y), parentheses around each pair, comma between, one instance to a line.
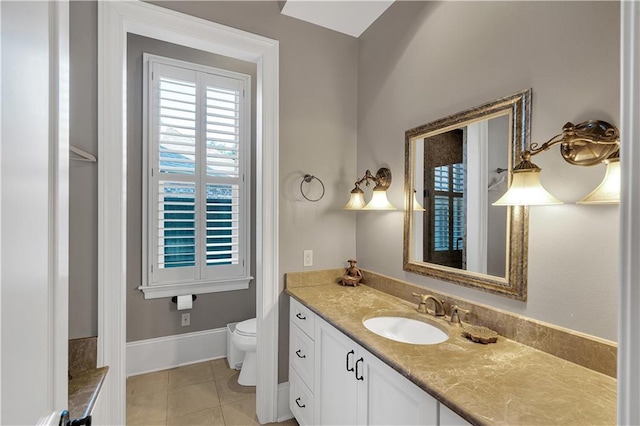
(158,289)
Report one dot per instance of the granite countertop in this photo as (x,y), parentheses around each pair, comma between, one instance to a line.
(84,387)
(501,383)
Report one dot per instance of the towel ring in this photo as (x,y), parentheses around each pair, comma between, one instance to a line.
(308,178)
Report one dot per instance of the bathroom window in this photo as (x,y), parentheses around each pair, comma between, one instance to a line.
(197,136)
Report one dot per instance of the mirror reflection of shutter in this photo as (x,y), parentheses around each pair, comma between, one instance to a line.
(441,209)
(458,202)
(449,214)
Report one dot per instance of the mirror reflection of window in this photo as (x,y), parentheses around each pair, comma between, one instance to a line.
(444,197)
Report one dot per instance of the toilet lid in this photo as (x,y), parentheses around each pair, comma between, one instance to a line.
(247,328)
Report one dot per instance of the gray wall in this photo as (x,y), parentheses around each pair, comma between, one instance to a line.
(83,176)
(425,60)
(159,317)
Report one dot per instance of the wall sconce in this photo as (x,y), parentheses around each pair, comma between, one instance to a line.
(379,200)
(589,143)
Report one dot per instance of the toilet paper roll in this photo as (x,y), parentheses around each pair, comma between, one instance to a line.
(185,302)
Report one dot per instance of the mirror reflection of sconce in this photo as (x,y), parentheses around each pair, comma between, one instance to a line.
(586,144)
(379,200)
(417,207)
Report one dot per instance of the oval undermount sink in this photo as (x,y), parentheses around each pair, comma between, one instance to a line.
(406,330)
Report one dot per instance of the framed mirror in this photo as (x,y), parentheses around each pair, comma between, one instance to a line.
(455,168)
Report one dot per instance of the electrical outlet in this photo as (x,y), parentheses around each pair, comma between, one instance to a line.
(308,258)
(186,320)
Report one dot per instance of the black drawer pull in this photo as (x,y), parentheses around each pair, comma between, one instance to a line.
(300,356)
(361,377)
(298,403)
(300,316)
(351,352)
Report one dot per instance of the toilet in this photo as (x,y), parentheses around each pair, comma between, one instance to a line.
(244,338)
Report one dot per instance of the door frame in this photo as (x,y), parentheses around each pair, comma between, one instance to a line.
(116,20)
(629,290)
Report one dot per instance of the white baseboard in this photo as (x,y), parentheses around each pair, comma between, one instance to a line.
(284,412)
(146,356)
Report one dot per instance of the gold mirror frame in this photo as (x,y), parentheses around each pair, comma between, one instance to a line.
(514,284)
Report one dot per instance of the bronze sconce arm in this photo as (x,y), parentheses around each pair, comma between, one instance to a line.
(586,144)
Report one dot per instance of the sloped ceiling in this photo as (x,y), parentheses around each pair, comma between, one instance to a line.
(348,17)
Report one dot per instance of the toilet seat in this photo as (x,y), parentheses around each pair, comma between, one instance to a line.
(247,328)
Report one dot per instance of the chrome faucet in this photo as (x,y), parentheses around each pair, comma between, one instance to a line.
(455,314)
(438,310)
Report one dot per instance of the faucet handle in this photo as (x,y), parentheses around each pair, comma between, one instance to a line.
(423,297)
(455,314)
(422,305)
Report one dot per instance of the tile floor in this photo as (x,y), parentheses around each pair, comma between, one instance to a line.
(200,394)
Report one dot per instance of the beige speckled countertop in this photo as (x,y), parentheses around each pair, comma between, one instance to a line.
(502,383)
(84,389)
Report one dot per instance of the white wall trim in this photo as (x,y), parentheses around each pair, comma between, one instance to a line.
(284,412)
(161,353)
(1,137)
(59,200)
(629,294)
(115,20)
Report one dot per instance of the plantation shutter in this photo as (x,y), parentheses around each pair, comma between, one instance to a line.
(198,205)
(223,177)
(174,205)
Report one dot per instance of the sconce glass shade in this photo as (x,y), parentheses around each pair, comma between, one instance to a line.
(417,207)
(379,200)
(608,192)
(526,190)
(356,201)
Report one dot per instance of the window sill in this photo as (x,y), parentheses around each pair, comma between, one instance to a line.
(180,289)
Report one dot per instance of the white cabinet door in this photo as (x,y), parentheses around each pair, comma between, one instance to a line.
(449,418)
(352,386)
(335,383)
(388,398)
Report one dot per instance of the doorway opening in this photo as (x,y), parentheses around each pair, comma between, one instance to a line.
(116,21)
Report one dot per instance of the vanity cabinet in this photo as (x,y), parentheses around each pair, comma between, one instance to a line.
(355,387)
(335,381)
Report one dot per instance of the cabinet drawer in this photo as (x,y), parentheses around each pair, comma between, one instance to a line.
(300,399)
(301,354)
(302,317)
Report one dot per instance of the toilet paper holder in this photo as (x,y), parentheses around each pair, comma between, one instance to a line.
(174,299)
